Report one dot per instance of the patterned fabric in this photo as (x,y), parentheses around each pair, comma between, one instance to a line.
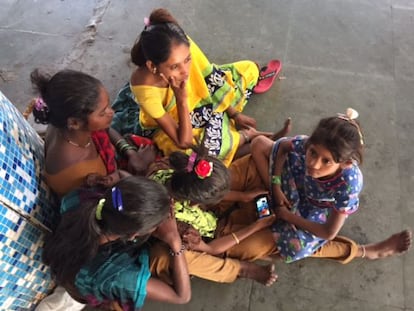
(105,149)
(211,90)
(312,199)
(27,212)
(205,222)
(134,140)
(119,272)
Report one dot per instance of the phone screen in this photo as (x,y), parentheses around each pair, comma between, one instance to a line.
(262,206)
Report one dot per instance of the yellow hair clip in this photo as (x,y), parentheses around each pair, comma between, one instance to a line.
(98,212)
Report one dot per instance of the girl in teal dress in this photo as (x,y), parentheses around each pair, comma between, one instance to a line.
(98,251)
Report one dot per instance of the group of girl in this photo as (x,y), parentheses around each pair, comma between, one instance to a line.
(139,215)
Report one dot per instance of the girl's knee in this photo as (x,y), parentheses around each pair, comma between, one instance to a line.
(261,144)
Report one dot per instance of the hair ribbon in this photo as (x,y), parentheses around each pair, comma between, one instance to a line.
(349,116)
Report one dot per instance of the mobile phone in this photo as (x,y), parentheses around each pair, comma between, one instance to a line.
(263,206)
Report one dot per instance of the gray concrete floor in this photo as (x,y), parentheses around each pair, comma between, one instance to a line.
(357,53)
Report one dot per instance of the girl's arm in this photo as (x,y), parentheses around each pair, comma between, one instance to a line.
(222,244)
(327,231)
(241,120)
(261,151)
(182,132)
(138,158)
(180,291)
(243,196)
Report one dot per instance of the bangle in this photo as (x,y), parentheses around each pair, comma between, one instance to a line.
(128,147)
(234,115)
(246,138)
(363,251)
(120,143)
(276,180)
(178,253)
(235,238)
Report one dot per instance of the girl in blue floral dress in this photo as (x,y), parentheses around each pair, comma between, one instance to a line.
(315,183)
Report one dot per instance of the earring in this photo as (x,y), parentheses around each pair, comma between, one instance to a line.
(154,71)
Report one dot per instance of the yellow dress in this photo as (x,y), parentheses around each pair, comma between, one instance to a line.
(211,89)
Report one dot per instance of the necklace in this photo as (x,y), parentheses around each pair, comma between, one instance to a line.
(77,145)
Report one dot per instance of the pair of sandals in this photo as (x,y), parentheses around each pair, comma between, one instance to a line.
(267,76)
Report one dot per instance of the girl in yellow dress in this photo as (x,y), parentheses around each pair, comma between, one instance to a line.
(184,98)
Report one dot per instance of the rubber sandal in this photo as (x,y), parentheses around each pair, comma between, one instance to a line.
(267,76)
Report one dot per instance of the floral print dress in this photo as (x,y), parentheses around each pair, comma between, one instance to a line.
(312,199)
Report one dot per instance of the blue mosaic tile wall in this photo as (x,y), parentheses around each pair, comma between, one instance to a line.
(26,212)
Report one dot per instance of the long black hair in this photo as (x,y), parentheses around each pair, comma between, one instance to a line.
(155,41)
(135,205)
(67,94)
(186,184)
(341,136)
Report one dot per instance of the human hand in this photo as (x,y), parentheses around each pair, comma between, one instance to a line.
(279,197)
(93,179)
(168,233)
(248,196)
(138,161)
(192,239)
(244,122)
(178,87)
(107,181)
(283,212)
(264,222)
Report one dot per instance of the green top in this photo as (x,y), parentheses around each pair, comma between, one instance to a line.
(204,221)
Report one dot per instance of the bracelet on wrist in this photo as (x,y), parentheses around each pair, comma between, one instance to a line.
(178,253)
(276,180)
(245,136)
(120,143)
(125,147)
(236,239)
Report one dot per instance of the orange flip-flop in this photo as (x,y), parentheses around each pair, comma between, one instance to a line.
(267,76)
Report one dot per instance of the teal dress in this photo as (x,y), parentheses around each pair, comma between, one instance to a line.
(119,272)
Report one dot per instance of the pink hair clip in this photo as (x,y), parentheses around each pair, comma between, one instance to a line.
(39,104)
(191,160)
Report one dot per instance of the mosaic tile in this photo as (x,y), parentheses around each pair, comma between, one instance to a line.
(26,212)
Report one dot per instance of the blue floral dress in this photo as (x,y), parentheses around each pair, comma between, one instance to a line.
(312,199)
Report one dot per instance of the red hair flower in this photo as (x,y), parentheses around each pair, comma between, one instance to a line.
(203,169)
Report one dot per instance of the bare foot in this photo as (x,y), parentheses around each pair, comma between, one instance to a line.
(284,131)
(263,274)
(396,244)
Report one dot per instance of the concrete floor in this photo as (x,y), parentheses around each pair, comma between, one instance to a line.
(357,53)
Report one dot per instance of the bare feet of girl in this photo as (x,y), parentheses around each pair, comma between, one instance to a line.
(263,274)
(284,131)
(396,244)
